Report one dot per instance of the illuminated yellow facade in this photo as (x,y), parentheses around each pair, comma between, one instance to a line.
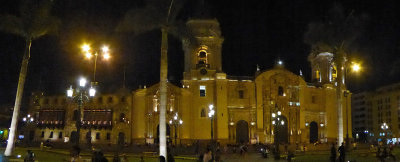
(275,105)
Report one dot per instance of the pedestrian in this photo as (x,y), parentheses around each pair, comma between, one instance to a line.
(125,158)
(75,157)
(170,158)
(390,153)
(30,156)
(333,153)
(162,158)
(207,156)
(342,153)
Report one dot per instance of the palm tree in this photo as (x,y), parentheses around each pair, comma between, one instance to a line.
(158,15)
(33,22)
(338,35)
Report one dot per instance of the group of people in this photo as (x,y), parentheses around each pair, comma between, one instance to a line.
(384,152)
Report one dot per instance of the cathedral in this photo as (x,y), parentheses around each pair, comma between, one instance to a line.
(273,106)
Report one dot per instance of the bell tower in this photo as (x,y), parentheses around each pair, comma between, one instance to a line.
(323,67)
(203,55)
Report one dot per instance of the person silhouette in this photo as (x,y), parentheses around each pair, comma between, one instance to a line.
(342,153)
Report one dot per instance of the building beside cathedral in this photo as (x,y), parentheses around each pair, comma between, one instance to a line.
(274,105)
(374,110)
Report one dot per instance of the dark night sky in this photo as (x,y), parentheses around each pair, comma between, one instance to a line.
(255,32)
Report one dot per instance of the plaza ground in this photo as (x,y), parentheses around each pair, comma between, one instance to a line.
(53,155)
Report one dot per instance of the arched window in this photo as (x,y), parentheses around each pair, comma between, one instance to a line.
(202,59)
(334,72)
(203,113)
(280,91)
(97,135)
(318,75)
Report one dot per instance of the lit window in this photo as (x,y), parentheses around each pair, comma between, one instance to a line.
(318,75)
(202,91)
(202,59)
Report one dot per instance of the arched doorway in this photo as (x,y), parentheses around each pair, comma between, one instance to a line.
(281,130)
(242,132)
(89,137)
(74,137)
(313,132)
(121,138)
(158,133)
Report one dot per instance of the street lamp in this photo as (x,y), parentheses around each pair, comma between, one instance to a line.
(105,51)
(176,121)
(28,119)
(384,127)
(80,95)
(355,67)
(366,135)
(211,116)
(277,120)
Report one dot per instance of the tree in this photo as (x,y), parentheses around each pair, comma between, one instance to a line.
(158,14)
(35,20)
(338,35)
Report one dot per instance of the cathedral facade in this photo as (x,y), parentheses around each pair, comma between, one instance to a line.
(273,106)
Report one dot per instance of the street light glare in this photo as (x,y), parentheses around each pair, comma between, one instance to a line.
(105,49)
(356,67)
(106,56)
(82,82)
(70,92)
(86,48)
(88,55)
(92,92)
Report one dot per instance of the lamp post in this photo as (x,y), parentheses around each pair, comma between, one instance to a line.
(277,121)
(80,95)
(355,67)
(384,127)
(105,51)
(366,135)
(341,66)
(28,119)
(176,121)
(211,116)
